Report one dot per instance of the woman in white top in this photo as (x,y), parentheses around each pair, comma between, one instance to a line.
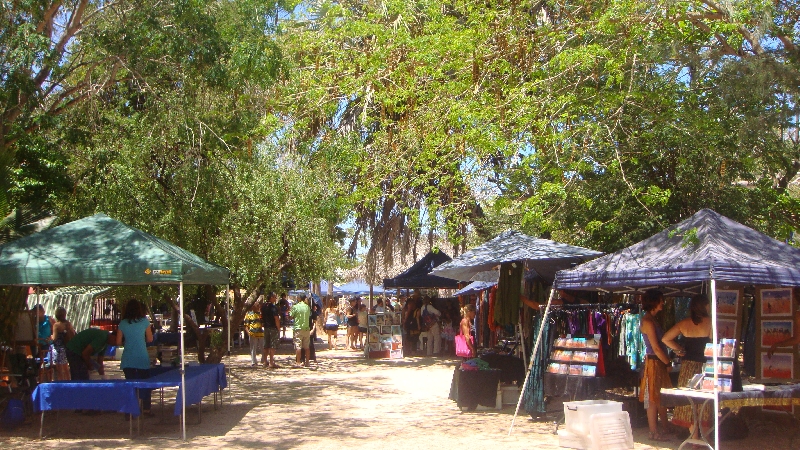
(331,326)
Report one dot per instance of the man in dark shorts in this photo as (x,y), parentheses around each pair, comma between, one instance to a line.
(271,319)
(89,343)
(352,323)
(283,308)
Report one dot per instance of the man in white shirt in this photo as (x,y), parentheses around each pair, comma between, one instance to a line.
(432,330)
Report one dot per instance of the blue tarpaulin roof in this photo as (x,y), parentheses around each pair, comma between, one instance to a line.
(358,287)
(475,287)
(704,246)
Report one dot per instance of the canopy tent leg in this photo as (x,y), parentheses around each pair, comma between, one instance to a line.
(715,339)
(228,314)
(183,365)
(533,357)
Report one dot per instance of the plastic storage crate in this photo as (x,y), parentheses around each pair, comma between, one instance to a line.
(578,414)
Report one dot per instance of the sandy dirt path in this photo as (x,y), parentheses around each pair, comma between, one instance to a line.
(346,401)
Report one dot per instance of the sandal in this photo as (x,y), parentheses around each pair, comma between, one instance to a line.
(658,437)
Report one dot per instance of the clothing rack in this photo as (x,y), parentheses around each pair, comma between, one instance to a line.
(591,305)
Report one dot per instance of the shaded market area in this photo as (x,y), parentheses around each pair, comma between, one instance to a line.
(357,403)
(558,354)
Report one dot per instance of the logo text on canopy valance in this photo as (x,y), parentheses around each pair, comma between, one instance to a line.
(148,271)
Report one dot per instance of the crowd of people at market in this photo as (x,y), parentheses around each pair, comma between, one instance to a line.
(426,329)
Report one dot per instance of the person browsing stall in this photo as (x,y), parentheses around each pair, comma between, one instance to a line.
(697,332)
(430,319)
(62,333)
(468,314)
(656,368)
(135,333)
(89,343)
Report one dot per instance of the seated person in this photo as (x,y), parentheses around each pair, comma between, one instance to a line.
(89,343)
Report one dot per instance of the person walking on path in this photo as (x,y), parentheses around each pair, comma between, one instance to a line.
(283,306)
(62,333)
(331,323)
(135,331)
(411,324)
(301,314)
(255,330)
(271,319)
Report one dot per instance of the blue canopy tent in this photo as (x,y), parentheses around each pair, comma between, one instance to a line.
(475,287)
(703,249)
(358,287)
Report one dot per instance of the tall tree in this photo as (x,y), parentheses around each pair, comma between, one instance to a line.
(596,123)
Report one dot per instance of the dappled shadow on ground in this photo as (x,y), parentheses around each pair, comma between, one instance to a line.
(345,400)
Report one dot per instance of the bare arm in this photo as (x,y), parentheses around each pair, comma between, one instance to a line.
(670,337)
(528,302)
(148,335)
(648,329)
(100,368)
(119,338)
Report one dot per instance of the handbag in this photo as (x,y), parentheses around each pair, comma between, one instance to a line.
(462,349)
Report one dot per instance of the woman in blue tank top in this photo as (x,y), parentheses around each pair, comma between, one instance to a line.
(135,332)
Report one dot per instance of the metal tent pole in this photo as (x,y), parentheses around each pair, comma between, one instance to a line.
(228,314)
(533,357)
(715,358)
(183,367)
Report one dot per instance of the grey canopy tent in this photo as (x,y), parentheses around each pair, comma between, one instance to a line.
(100,251)
(543,256)
(419,276)
(705,248)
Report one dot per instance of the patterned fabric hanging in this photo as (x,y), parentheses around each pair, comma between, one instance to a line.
(533,397)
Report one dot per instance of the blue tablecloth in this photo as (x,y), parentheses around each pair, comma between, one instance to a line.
(120,395)
(99,395)
(201,380)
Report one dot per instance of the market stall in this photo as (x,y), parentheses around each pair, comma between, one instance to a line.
(513,266)
(100,251)
(381,344)
(706,253)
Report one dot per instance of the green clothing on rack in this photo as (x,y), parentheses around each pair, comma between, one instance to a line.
(509,288)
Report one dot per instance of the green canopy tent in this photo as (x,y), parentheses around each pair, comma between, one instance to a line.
(100,251)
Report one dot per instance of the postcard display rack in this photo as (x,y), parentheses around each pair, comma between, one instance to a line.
(727,367)
(575,356)
(384,336)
